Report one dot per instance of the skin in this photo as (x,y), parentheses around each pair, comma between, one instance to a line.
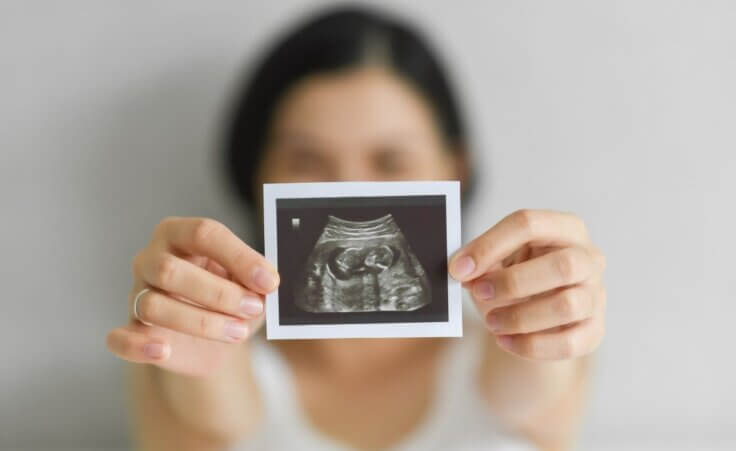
(535,277)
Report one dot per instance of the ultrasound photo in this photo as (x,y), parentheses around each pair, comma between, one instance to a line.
(362,266)
(362,259)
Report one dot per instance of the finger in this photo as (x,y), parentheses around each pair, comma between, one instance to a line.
(199,260)
(137,347)
(161,310)
(216,268)
(559,268)
(558,343)
(208,264)
(558,308)
(533,227)
(203,236)
(178,276)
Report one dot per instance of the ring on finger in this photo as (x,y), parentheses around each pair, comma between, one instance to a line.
(135,306)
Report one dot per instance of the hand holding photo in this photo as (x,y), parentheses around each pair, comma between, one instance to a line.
(362,259)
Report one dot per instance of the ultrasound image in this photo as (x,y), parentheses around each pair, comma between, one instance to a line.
(362,266)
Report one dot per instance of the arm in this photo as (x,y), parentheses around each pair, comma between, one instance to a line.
(536,280)
(197,298)
(542,401)
(227,407)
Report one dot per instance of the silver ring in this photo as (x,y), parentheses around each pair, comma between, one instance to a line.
(135,306)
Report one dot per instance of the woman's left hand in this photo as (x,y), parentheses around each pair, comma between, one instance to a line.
(536,279)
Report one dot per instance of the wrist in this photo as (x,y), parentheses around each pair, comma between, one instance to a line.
(219,404)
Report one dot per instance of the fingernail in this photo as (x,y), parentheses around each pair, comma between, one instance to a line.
(155,350)
(462,267)
(484,290)
(251,306)
(494,323)
(264,279)
(235,330)
(504,341)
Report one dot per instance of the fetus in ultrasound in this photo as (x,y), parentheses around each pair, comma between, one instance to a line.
(362,266)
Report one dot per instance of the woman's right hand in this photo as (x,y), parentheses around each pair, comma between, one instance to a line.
(206,297)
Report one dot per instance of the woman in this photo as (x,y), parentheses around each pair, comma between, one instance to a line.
(353,95)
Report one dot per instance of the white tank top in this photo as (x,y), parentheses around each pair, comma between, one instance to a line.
(459,418)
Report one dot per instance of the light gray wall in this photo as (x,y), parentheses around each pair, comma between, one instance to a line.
(621,111)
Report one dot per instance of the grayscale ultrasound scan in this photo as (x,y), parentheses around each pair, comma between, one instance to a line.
(362,259)
(362,266)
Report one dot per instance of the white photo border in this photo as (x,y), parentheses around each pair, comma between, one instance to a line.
(450,189)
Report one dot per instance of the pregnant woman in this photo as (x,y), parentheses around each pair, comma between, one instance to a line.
(354,95)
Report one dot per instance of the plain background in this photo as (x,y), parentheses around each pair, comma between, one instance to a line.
(621,111)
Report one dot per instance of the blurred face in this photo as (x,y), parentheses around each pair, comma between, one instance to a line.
(359,125)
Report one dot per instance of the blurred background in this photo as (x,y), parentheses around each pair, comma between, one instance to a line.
(621,111)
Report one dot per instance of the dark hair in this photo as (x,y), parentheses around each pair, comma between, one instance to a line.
(336,39)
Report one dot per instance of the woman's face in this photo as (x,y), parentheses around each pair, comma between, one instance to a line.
(359,125)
